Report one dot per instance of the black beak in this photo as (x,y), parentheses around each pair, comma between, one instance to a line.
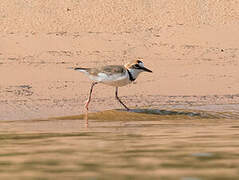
(145,69)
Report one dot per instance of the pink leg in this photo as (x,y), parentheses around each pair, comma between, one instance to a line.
(89,98)
(116,96)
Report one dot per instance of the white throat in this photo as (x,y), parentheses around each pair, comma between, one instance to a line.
(134,72)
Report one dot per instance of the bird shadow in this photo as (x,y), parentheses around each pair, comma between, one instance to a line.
(141,114)
(163,112)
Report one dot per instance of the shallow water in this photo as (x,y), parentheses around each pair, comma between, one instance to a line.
(143,144)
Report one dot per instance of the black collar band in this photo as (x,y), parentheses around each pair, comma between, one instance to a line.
(130,76)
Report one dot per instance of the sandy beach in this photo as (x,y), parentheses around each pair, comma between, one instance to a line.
(192,48)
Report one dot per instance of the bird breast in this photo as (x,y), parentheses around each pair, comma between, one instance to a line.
(118,79)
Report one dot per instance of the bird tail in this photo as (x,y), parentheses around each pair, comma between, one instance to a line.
(81,69)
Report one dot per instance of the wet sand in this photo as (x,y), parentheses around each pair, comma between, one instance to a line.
(38,82)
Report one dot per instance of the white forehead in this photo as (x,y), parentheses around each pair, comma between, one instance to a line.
(141,64)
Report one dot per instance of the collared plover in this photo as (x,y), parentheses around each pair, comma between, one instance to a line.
(114,75)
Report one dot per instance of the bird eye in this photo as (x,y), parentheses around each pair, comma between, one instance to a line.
(136,66)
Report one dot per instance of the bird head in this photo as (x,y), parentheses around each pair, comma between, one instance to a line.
(136,67)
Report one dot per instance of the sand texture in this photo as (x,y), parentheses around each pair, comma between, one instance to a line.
(192,47)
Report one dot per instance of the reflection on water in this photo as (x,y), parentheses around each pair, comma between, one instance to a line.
(122,145)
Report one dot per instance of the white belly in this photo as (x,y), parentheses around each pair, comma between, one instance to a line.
(117,83)
(117,80)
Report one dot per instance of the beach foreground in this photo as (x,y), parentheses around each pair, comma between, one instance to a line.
(157,144)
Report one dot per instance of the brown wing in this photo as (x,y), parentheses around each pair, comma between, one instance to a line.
(109,70)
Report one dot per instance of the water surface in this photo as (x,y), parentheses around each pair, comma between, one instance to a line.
(149,144)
